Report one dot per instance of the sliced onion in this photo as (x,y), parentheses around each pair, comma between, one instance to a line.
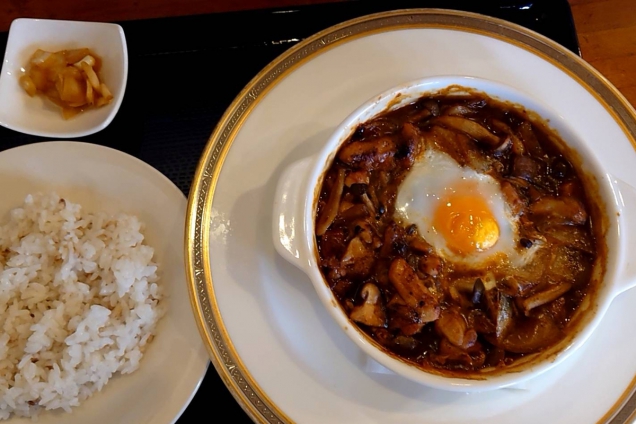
(92,76)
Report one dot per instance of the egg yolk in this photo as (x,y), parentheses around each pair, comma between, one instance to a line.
(466,223)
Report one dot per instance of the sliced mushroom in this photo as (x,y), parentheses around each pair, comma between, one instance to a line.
(546,296)
(500,308)
(449,353)
(371,312)
(330,210)
(559,210)
(458,146)
(452,325)
(420,245)
(464,284)
(457,110)
(368,203)
(504,148)
(478,291)
(516,144)
(471,128)
(403,318)
(413,291)
(358,258)
(413,144)
(378,127)
(368,154)
(433,106)
(529,138)
(355,250)
(365,231)
(514,286)
(526,168)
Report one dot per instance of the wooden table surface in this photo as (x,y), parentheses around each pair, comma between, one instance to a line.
(606,28)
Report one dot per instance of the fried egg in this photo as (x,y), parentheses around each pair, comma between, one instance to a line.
(460,212)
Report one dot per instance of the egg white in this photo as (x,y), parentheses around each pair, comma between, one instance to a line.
(435,176)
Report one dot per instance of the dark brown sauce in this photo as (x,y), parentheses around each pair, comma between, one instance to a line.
(437,314)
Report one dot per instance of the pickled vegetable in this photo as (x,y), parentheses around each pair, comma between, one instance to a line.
(68,78)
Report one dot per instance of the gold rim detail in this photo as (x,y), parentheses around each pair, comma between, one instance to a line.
(202,297)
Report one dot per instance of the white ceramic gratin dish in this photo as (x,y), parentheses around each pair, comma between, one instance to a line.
(295,211)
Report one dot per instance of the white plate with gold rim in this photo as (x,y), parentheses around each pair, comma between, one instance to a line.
(275,346)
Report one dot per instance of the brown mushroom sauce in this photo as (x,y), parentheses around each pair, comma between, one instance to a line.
(422,308)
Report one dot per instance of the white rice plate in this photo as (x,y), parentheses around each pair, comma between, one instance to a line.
(79,302)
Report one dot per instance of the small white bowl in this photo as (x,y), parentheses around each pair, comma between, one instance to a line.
(295,210)
(37,115)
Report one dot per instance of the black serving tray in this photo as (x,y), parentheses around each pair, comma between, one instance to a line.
(185,71)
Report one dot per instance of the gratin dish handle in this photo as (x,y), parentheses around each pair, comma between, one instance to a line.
(289,213)
(626,199)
